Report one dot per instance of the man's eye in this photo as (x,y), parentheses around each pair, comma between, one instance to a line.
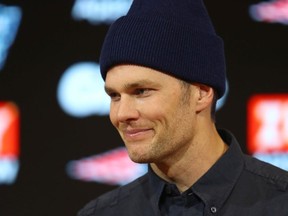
(142,91)
(114,96)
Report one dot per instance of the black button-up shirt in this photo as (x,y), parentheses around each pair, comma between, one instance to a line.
(172,202)
(236,185)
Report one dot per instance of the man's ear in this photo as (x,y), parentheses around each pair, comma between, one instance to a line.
(205,96)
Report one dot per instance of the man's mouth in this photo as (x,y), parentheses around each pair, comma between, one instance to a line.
(136,134)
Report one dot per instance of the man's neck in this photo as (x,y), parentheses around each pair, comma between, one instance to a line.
(186,170)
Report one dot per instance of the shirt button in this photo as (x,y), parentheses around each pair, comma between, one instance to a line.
(213,209)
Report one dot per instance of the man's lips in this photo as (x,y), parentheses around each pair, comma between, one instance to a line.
(136,133)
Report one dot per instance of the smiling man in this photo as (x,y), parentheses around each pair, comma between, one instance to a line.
(164,69)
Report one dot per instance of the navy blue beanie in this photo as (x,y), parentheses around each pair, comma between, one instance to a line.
(173,36)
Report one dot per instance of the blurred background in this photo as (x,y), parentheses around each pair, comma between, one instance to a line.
(58,149)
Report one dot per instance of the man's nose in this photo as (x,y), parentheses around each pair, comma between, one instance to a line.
(127,109)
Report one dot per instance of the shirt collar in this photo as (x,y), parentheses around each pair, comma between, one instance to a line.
(214,186)
(156,187)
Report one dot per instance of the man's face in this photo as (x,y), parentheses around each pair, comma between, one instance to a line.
(150,113)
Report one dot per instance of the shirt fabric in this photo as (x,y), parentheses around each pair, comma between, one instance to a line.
(173,203)
(236,185)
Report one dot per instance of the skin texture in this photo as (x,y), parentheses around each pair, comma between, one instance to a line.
(163,123)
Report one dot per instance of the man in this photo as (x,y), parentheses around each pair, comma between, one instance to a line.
(164,69)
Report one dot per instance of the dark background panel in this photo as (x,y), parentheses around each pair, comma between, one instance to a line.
(49,41)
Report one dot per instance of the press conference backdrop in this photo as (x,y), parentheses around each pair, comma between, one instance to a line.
(58,149)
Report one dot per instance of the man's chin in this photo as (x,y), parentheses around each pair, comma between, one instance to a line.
(139,158)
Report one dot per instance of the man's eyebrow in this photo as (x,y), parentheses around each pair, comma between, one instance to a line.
(138,84)
(108,89)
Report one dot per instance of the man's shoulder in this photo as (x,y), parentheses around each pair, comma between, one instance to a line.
(268,173)
(113,197)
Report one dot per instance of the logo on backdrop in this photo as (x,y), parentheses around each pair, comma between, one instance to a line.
(99,11)
(113,167)
(275,11)
(9,142)
(10,17)
(267,128)
(81,92)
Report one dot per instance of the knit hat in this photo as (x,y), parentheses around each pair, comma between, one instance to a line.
(173,36)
